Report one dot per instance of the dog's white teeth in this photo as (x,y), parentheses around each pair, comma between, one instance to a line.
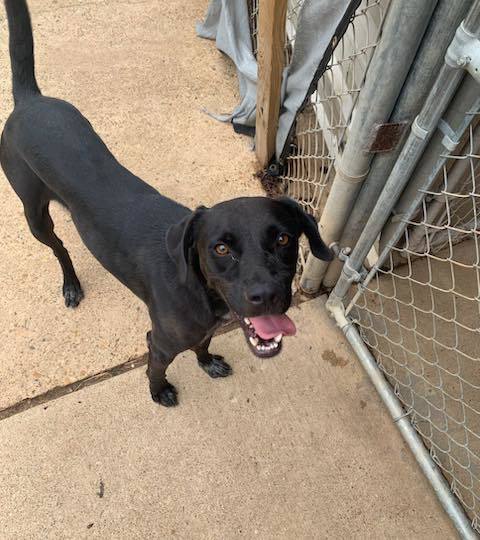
(253,341)
(247,321)
(278,338)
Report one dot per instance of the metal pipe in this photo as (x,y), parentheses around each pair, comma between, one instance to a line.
(405,24)
(430,56)
(455,122)
(433,473)
(472,21)
(422,130)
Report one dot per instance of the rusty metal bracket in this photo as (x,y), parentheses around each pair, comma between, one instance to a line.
(385,137)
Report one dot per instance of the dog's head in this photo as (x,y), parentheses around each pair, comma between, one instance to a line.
(247,251)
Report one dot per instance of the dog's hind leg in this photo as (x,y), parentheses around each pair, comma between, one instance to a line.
(36,197)
(41,225)
(213,364)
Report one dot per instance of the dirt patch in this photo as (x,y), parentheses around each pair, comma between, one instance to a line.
(334,360)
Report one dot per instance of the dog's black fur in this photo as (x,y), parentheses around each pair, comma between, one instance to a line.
(160,250)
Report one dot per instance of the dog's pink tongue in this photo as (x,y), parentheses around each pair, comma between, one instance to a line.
(269,326)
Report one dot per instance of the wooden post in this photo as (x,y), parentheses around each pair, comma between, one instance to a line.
(270,58)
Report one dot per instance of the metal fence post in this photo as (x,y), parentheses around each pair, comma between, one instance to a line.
(445,19)
(422,131)
(402,33)
(457,118)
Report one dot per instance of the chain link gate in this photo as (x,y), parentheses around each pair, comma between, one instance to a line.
(417,308)
(419,315)
(412,313)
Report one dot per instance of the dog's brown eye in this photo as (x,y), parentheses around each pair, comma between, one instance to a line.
(283,239)
(222,249)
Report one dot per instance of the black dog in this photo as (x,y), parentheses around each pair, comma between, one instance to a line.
(192,269)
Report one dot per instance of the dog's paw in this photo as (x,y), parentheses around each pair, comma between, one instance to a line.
(166,396)
(73,294)
(216,367)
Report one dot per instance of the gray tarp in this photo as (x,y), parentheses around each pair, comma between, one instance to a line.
(319,22)
(227,22)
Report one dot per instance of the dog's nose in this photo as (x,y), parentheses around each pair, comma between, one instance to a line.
(259,295)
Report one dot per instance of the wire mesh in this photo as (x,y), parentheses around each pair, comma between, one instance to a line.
(293,10)
(421,321)
(322,127)
(253,22)
(450,201)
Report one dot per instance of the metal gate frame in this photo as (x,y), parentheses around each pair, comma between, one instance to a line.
(366,194)
(429,130)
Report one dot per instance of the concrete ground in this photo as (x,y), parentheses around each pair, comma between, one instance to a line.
(297,447)
(294,447)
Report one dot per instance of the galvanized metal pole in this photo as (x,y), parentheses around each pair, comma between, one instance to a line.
(445,140)
(422,131)
(430,166)
(441,29)
(402,32)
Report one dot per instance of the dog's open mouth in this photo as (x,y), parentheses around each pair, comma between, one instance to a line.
(264,334)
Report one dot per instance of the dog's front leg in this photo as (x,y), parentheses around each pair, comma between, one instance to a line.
(161,390)
(213,364)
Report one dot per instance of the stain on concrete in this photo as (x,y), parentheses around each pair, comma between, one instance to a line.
(363,404)
(334,360)
(101,489)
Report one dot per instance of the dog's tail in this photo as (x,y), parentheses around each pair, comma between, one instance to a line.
(21,50)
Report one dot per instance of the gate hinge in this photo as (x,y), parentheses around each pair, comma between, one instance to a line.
(352,275)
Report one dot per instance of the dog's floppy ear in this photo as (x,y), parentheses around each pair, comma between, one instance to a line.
(180,239)
(309,227)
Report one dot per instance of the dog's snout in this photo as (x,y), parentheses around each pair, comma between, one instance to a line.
(261,295)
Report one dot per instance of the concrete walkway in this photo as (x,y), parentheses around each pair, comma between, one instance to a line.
(295,447)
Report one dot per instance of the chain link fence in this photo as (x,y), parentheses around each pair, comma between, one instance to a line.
(293,10)
(418,311)
(419,315)
(322,127)
(451,202)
